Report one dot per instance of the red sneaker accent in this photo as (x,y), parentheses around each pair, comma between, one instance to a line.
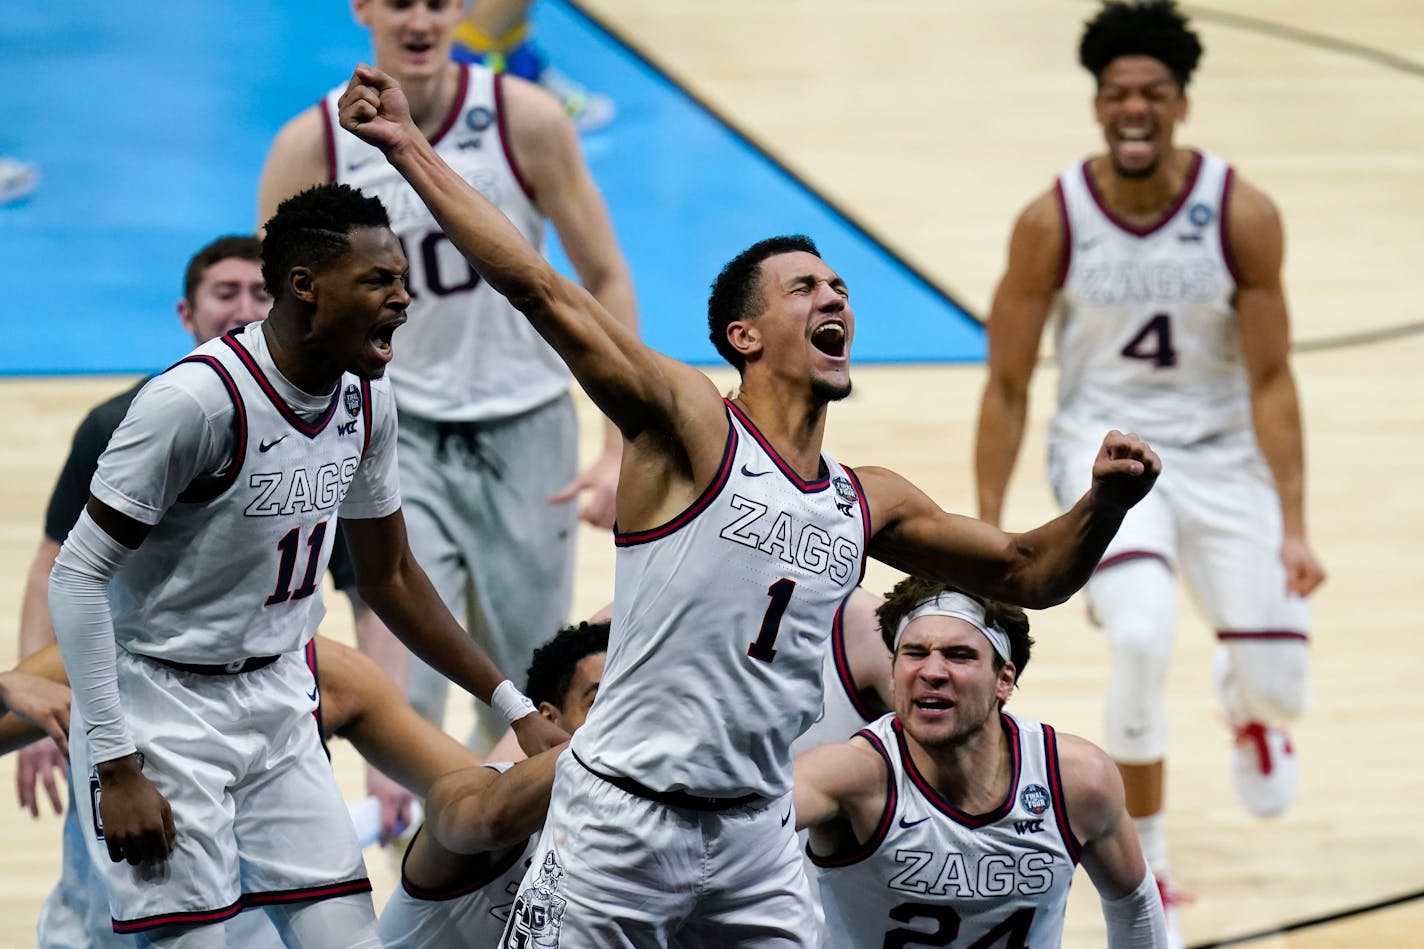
(1255,733)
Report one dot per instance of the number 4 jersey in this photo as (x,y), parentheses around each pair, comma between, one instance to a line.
(932,875)
(720,622)
(240,475)
(1146,334)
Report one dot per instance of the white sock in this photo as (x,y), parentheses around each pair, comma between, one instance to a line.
(1152,835)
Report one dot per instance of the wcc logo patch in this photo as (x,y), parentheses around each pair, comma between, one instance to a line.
(1034,798)
(846,497)
(352,398)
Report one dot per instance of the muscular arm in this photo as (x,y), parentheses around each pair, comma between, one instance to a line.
(652,399)
(363,705)
(1257,244)
(1036,569)
(478,811)
(546,148)
(296,161)
(839,793)
(1111,855)
(36,630)
(1016,318)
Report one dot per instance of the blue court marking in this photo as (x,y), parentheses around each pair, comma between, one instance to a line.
(150,123)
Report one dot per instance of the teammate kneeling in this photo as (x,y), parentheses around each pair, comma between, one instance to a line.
(951,819)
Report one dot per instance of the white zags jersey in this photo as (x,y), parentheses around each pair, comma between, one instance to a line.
(1146,335)
(234,567)
(466,354)
(471,914)
(720,623)
(935,876)
(843,712)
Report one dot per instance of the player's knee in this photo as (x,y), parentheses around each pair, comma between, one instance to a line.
(1136,724)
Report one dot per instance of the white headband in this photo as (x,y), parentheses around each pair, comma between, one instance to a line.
(962,607)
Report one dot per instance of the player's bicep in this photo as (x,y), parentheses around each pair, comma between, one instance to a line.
(828,782)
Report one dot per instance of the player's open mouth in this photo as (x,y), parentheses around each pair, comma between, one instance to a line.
(380,338)
(830,338)
(1134,143)
(934,705)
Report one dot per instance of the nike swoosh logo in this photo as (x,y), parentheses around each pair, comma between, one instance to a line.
(90,729)
(911,823)
(787,819)
(268,446)
(753,474)
(312,694)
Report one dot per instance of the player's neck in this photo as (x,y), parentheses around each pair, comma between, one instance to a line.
(431,98)
(1143,201)
(795,427)
(300,362)
(974,774)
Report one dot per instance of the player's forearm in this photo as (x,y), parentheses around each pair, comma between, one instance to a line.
(1056,559)
(409,606)
(502,812)
(1275,411)
(36,630)
(996,447)
(79,605)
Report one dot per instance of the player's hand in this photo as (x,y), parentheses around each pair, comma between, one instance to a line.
(40,762)
(1303,571)
(1125,470)
(138,823)
(601,478)
(375,110)
(395,804)
(536,733)
(40,702)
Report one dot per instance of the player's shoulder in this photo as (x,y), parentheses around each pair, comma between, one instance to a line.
(1091,781)
(188,385)
(530,107)
(1041,217)
(106,416)
(1250,206)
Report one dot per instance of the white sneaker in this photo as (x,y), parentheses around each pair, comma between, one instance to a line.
(1172,898)
(17,179)
(1264,769)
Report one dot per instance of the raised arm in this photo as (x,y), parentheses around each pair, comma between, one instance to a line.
(1036,569)
(478,811)
(1257,242)
(1097,814)
(838,791)
(1016,318)
(637,388)
(546,148)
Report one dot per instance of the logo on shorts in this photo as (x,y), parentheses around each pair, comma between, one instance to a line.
(538,913)
(352,398)
(1035,798)
(846,497)
(94,793)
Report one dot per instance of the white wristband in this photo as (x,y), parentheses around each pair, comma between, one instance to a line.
(509,703)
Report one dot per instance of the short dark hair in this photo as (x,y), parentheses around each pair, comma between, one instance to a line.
(736,293)
(1153,28)
(312,228)
(241,246)
(912,591)
(552,669)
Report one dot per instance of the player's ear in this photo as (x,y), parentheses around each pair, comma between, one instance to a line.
(1008,676)
(745,337)
(301,281)
(551,712)
(360,10)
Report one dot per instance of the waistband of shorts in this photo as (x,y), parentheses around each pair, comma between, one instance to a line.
(236,667)
(692,802)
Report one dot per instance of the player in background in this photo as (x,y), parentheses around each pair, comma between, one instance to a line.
(953,820)
(1161,270)
(489,447)
(739,541)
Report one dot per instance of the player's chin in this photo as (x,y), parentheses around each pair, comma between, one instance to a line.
(831,388)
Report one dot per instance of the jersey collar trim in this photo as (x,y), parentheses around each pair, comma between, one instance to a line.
(1120,224)
(806,487)
(948,809)
(309,430)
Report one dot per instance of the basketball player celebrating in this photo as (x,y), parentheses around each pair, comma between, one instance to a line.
(738,541)
(1165,269)
(207,528)
(953,820)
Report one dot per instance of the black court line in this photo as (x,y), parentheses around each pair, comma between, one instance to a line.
(1294,34)
(634,49)
(1311,921)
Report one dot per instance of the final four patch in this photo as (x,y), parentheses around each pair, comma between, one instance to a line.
(352,398)
(1035,798)
(845,495)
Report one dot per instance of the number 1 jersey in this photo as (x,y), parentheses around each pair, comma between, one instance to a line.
(720,623)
